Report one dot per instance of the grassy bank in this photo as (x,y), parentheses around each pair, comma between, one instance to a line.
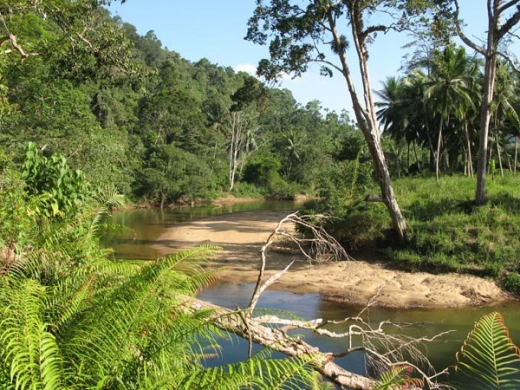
(447,232)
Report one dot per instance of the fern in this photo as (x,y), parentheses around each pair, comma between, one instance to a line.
(259,372)
(29,349)
(489,355)
(72,318)
(398,377)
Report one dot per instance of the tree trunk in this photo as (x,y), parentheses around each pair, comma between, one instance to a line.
(499,154)
(516,152)
(366,117)
(415,153)
(470,157)
(485,110)
(438,155)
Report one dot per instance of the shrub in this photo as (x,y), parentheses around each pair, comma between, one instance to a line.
(511,283)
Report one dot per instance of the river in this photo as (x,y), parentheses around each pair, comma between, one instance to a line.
(145,226)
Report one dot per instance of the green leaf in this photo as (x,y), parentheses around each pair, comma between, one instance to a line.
(489,356)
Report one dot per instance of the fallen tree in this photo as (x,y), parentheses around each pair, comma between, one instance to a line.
(384,351)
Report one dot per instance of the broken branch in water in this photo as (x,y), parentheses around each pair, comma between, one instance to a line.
(321,242)
(383,350)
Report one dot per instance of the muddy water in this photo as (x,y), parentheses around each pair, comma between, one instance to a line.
(145,226)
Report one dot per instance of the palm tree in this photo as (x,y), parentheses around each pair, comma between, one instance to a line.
(402,110)
(506,120)
(449,91)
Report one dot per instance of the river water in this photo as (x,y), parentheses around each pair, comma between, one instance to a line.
(145,226)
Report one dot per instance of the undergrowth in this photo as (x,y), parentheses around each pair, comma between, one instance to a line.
(447,231)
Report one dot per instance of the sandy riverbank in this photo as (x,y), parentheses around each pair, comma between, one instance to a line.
(241,235)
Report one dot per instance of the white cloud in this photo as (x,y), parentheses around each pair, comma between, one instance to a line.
(248,68)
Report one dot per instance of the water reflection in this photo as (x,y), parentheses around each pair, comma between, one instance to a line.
(416,322)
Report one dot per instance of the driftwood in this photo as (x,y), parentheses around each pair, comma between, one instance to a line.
(272,332)
(277,339)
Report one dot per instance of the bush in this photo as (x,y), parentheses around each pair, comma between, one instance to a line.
(247,190)
(511,283)
(263,171)
(61,190)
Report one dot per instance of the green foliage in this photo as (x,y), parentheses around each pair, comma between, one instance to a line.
(61,191)
(342,190)
(17,212)
(398,377)
(511,282)
(262,170)
(173,174)
(489,356)
(246,190)
(128,112)
(344,184)
(262,373)
(72,318)
(449,233)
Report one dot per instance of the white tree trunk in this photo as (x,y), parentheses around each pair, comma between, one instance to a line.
(485,119)
(366,116)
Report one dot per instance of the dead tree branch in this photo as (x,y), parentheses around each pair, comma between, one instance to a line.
(278,340)
(321,242)
(12,39)
(383,348)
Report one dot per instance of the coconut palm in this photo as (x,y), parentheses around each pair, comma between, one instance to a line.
(450,90)
(402,110)
(505,119)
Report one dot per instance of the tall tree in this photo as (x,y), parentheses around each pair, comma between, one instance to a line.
(450,90)
(302,33)
(502,17)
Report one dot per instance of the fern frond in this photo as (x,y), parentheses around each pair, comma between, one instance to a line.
(489,355)
(140,323)
(264,373)
(30,351)
(398,377)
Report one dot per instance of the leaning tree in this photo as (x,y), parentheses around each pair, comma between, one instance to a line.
(316,31)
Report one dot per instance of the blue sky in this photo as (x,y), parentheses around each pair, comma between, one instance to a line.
(214,29)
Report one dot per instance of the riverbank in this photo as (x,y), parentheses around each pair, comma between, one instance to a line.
(241,235)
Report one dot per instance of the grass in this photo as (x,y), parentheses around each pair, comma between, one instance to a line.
(447,232)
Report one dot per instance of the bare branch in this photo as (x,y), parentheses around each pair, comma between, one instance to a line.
(12,38)
(509,60)
(278,340)
(507,5)
(463,36)
(509,24)
(321,243)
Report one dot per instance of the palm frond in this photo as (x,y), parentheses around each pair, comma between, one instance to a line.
(489,355)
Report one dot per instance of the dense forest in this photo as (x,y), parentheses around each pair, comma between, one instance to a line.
(161,129)
(92,113)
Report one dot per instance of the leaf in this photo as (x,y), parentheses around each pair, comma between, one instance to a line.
(489,356)
(398,376)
